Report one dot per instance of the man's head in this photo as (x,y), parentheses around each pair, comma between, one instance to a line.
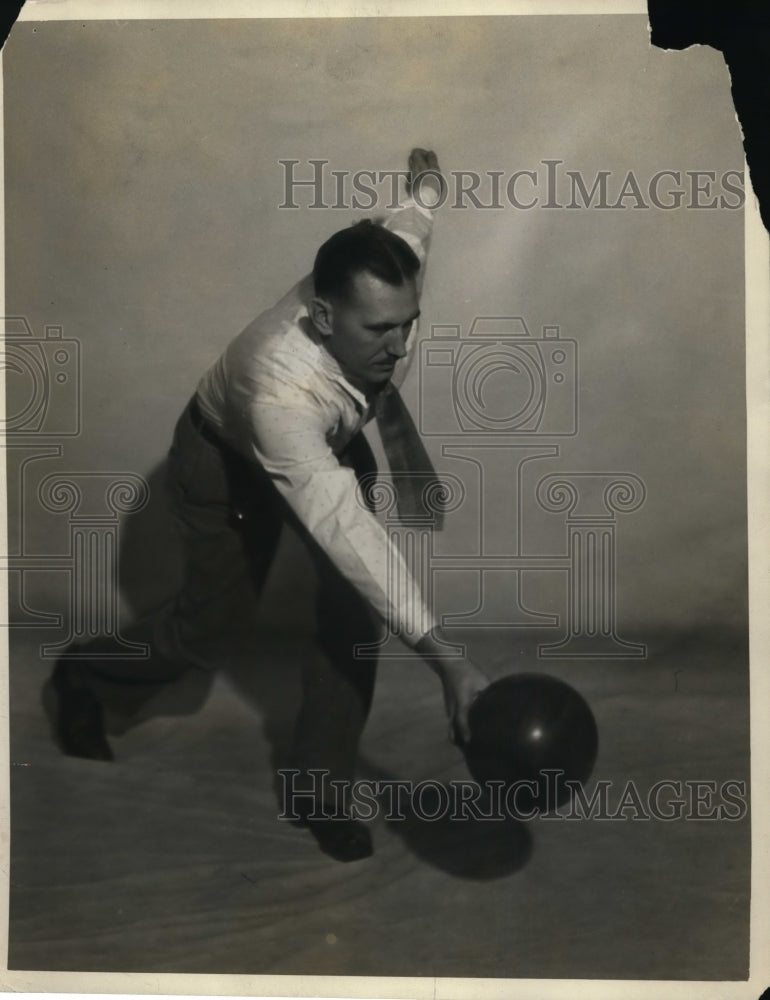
(365,299)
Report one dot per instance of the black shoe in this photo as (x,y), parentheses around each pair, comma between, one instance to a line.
(79,716)
(341,837)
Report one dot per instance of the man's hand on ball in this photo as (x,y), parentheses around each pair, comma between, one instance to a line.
(462,682)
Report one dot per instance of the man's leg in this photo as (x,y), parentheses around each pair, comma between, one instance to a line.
(230,519)
(337,688)
(208,487)
(337,692)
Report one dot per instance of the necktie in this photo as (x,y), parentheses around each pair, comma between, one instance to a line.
(420,494)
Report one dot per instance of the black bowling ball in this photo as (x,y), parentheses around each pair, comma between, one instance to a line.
(534,732)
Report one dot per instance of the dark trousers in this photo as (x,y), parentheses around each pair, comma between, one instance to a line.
(231,517)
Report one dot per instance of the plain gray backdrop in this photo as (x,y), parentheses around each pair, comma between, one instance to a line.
(142,183)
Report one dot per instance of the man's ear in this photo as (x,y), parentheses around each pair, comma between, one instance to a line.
(321,313)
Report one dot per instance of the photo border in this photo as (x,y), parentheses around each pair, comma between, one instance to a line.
(757,270)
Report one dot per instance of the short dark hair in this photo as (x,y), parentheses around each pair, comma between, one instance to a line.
(364,246)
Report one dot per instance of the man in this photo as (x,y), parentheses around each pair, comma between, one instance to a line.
(273,435)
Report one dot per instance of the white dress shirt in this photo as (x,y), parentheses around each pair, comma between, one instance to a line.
(278,396)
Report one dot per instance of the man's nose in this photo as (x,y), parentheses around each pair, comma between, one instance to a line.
(397,343)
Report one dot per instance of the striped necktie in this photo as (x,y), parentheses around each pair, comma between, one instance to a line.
(414,478)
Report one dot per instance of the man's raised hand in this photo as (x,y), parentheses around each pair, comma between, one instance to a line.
(425,181)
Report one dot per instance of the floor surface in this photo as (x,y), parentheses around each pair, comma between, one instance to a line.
(172,859)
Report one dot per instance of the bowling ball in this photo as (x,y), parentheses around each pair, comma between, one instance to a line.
(523,725)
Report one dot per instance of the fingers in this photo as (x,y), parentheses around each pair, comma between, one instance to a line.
(463,731)
(421,160)
(417,158)
(459,731)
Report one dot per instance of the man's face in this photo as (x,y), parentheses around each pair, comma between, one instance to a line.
(367,330)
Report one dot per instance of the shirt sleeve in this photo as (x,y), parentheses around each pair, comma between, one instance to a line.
(289,441)
(414,224)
